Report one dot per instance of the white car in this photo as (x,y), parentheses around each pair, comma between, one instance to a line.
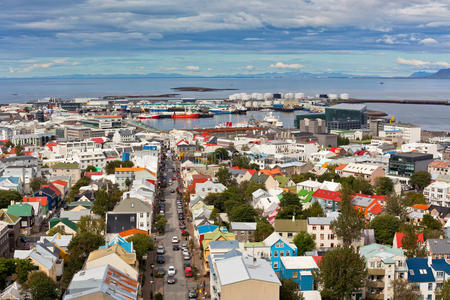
(185,252)
(175,240)
(171,271)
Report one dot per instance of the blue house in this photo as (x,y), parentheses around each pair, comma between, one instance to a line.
(279,247)
(300,270)
(51,194)
(420,273)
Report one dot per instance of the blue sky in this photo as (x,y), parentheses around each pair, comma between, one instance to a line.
(368,37)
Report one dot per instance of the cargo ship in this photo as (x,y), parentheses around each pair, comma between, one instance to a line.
(148,116)
(185,115)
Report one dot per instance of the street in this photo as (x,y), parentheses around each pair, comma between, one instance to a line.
(180,289)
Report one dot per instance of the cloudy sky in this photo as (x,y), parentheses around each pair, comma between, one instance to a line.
(222,37)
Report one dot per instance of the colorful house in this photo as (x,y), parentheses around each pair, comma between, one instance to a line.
(26,212)
(279,247)
(52,193)
(68,226)
(300,269)
(41,200)
(329,200)
(216,235)
(398,237)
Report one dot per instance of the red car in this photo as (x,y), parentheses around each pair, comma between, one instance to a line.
(174,178)
(188,272)
(183,231)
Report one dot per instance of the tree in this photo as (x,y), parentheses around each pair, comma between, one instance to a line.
(290,199)
(350,223)
(9,145)
(128,182)
(412,198)
(7,196)
(75,189)
(385,227)
(241,161)
(100,203)
(303,177)
(403,290)
(242,213)
(224,177)
(315,210)
(396,206)
(36,183)
(246,189)
(221,153)
(90,168)
(420,179)
(160,224)
(289,290)
(142,243)
(41,287)
(7,267)
(263,230)
(431,223)
(384,186)
(357,184)
(289,211)
(55,230)
(91,224)
(23,268)
(444,292)
(19,150)
(112,165)
(342,140)
(340,272)
(410,242)
(304,242)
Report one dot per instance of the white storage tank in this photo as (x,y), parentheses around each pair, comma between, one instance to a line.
(299,95)
(246,97)
(268,96)
(289,96)
(332,96)
(344,96)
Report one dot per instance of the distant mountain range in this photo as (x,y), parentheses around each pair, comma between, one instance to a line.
(441,74)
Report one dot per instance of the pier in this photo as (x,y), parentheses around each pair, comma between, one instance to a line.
(396,101)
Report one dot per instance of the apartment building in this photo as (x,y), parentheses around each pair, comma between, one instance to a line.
(438,193)
(439,167)
(366,171)
(406,132)
(323,235)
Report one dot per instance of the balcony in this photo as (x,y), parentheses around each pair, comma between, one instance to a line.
(376,272)
(375,284)
(375,296)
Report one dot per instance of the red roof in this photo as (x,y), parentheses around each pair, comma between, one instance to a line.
(4,141)
(376,209)
(399,237)
(251,171)
(209,144)
(341,166)
(182,140)
(41,200)
(89,174)
(98,140)
(360,152)
(334,149)
(51,145)
(60,182)
(198,178)
(133,231)
(271,172)
(317,259)
(328,195)
(53,188)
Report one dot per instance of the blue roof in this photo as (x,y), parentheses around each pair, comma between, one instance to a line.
(223,244)
(13,179)
(127,246)
(206,228)
(419,271)
(440,265)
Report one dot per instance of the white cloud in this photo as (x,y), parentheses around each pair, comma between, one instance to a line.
(428,41)
(249,67)
(55,62)
(253,39)
(192,68)
(281,65)
(423,63)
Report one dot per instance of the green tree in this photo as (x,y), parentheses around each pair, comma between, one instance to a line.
(221,154)
(420,179)
(410,242)
(19,150)
(9,145)
(91,168)
(75,189)
(7,196)
(142,243)
(246,189)
(304,242)
(91,224)
(241,161)
(444,292)
(384,186)
(396,206)
(340,272)
(41,287)
(303,177)
(432,228)
(385,227)
(128,182)
(100,202)
(412,198)
(7,267)
(290,199)
(263,230)
(315,210)
(350,223)
(224,177)
(36,184)
(342,140)
(289,290)
(242,213)
(112,165)
(160,223)
(403,290)
(23,268)
(289,211)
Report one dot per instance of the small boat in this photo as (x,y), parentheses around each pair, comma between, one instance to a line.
(148,116)
(222,110)
(272,120)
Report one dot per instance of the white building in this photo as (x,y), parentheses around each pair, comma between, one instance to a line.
(323,235)
(439,167)
(438,193)
(408,133)
(422,148)
(207,187)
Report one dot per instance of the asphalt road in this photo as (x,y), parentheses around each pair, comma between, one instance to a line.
(179,290)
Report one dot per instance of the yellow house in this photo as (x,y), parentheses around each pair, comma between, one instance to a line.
(216,235)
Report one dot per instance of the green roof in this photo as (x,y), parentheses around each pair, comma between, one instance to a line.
(259,178)
(21,210)
(62,165)
(8,218)
(282,180)
(55,221)
(213,236)
(254,244)
(305,196)
(87,204)
(376,250)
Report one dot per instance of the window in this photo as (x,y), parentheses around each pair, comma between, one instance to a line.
(132,219)
(321,236)
(279,245)
(288,253)
(411,272)
(422,271)
(275,265)
(430,286)
(275,253)
(322,227)
(281,253)
(314,228)
(294,274)
(142,215)
(429,297)
(440,274)
(379,264)
(289,234)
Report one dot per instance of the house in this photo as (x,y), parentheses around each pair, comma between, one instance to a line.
(438,193)
(124,175)
(421,277)
(5,251)
(384,265)
(14,291)
(398,238)
(115,256)
(216,235)
(207,187)
(201,230)
(80,205)
(75,215)
(102,282)
(267,180)
(299,269)
(288,228)
(69,170)
(129,213)
(41,200)
(11,183)
(62,186)
(439,167)
(68,226)
(439,249)
(52,194)
(329,200)
(131,232)
(243,231)
(243,278)
(366,171)
(440,212)
(284,182)
(294,167)
(368,205)
(279,247)
(26,212)
(13,224)
(308,185)
(305,196)
(323,235)
(241,174)
(61,241)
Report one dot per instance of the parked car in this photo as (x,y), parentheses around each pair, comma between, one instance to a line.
(186,257)
(182,226)
(160,249)
(188,272)
(192,294)
(171,270)
(160,259)
(175,247)
(172,191)
(171,279)
(180,217)
(183,231)
(187,264)
(160,272)
(174,178)
(175,240)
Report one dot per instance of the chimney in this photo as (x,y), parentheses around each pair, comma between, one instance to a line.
(293,217)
